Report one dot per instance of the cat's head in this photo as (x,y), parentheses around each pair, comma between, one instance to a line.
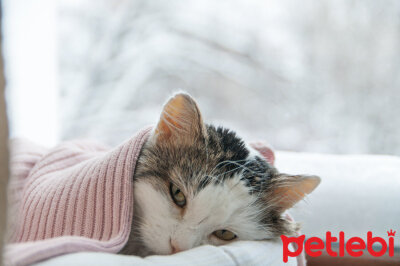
(197,184)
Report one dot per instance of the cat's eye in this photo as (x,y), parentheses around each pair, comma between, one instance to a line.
(177,195)
(225,235)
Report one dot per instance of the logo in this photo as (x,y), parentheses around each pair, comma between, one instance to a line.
(355,246)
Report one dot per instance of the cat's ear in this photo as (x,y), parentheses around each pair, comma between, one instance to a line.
(180,121)
(287,190)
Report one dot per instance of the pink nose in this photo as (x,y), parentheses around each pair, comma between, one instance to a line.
(174,247)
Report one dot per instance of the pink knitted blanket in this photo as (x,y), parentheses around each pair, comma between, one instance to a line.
(75,197)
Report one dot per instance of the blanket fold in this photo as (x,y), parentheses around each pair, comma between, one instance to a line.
(75,197)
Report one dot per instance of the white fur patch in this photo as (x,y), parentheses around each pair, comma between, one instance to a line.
(215,207)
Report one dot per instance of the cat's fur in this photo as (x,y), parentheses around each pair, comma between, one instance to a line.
(227,185)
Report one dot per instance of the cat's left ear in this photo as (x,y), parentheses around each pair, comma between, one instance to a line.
(287,190)
(180,121)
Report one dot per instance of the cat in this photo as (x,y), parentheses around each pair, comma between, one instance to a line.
(197,184)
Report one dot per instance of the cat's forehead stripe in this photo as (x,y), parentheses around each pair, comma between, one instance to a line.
(234,158)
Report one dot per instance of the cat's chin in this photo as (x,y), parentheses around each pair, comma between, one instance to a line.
(148,251)
(137,250)
(143,252)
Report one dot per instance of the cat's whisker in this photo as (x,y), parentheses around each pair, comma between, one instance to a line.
(232,170)
(228,161)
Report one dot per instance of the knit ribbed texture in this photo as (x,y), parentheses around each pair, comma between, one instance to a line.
(76,197)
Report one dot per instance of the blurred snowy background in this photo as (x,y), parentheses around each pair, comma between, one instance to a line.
(311,75)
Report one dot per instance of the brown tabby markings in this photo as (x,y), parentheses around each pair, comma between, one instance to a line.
(192,155)
(191,165)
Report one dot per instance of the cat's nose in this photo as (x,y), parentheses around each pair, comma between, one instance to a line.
(174,247)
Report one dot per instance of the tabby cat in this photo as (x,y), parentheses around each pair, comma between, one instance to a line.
(197,184)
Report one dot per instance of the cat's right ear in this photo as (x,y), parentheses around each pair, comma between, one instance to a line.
(180,121)
(287,190)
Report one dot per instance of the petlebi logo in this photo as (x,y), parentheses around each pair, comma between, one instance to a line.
(354,246)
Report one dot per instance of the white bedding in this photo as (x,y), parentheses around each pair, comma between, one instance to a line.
(239,253)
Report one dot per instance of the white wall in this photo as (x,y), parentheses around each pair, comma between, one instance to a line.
(29,30)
